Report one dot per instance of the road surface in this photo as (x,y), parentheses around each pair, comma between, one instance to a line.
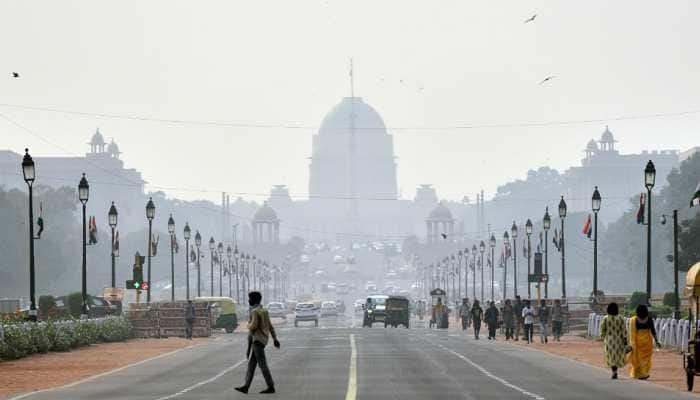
(340,360)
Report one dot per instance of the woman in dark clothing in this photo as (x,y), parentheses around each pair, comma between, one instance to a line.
(477,316)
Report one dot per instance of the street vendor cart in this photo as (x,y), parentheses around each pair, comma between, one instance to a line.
(692,356)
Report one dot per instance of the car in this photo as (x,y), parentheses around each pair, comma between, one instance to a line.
(277,310)
(338,259)
(329,309)
(305,312)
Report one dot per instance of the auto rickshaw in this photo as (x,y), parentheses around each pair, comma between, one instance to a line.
(440,313)
(692,356)
(397,312)
(223,312)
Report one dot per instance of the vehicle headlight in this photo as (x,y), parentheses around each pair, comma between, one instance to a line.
(369,311)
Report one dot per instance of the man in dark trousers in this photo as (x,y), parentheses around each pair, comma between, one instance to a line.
(260,329)
(189,319)
(491,317)
(518,313)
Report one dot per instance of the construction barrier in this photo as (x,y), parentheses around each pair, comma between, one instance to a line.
(156,320)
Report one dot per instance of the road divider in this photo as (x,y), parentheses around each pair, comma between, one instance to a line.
(352,374)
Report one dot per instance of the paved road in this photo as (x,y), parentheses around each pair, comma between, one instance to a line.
(339,360)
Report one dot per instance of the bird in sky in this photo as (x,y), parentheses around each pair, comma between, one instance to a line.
(444,236)
(531,19)
(547,79)
(15,75)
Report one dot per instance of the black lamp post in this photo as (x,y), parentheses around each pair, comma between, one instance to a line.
(528,232)
(459,274)
(171,230)
(150,214)
(212,246)
(29,173)
(247,273)
(187,233)
(562,216)
(112,217)
(220,251)
(229,253)
(506,243)
(238,273)
(452,272)
(198,243)
(492,244)
(649,180)
(482,248)
(546,224)
(474,271)
(595,206)
(514,235)
(83,195)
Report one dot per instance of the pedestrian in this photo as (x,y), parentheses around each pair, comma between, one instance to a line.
(477,316)
(260,329)
(518,313)
(189,319)
(439,311)
(557,320)
(464,310)
(642,338)
(508,319)
(528,316)
(491,318)
(543,314)
(614,335)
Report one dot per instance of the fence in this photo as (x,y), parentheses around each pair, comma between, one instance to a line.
(672,333)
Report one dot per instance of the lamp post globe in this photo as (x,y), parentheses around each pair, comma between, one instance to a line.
(83,190)
(171,225)
(547,220)
(514,231)
(150,209)
(562,208)
(649,175)
(595,200)
(28,170)
(528,227)
(482,247)
(112,216)
(212,243)
(187,232)
(492,241)
(229,251)
(197,239)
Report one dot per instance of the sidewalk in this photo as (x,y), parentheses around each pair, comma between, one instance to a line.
(43,371)
(667,366)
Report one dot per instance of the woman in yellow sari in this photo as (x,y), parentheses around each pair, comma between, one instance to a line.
(642,339)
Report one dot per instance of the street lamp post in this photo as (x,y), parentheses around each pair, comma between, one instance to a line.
(238,272)
(112,217)
(229,253)
(595,206)
(514,235)
(83,195)
(562,216)
(506,243)
(492,244)
(482,248)
(171,230)
(546,224)
(29,173)
(459,274)
(187,232)
(212,246)
(452,271)
(649,180)
(220,250)
(528,232)
(198,243)
(150,214)
(474,271)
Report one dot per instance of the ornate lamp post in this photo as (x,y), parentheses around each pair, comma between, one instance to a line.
(220,250)
(474,271)
(649,180)
(459,274)
(562,216)
(514,235)
(247,273)
(452,271)
(112,218)
(528,232)
(83,195)
(29,173)
(212,246)
(506,243)
(171,230)
(238,273)
(150,214)
(187,233)
(198,243)
(482,248)
(229,253)
(546,224)
(595,205)
(492,244)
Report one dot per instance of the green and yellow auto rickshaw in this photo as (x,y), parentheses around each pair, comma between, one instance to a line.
(223,312)
(397,312)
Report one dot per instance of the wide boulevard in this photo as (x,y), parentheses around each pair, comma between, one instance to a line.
(341,360)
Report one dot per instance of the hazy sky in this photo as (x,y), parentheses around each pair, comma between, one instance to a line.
(286,62)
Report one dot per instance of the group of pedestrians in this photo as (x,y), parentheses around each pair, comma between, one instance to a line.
(516,317)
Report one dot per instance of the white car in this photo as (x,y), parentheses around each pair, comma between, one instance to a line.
(305,312)
(277,310)
(329,309)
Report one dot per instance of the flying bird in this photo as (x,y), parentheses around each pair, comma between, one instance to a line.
(444,236)
(547,79)
(15,75)
(531,19)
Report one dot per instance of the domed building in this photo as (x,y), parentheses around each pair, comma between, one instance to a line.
(439,222)
(266,225)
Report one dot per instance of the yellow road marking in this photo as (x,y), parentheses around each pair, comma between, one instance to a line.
(352,375)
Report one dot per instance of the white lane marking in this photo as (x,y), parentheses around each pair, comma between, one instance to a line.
(91,378)
(490,375)
(204,382)
(352,374)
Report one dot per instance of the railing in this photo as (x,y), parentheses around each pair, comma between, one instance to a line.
(672,333)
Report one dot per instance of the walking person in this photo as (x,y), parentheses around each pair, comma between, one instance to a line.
(189,319)
(642,339)
(557,320)
(260,329)
(614,335)
(518,313)
(477,316)
(528,316)
(508,319)
(491,318)
(464,310)
(543,314)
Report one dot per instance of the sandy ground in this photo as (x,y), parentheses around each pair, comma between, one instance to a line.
(667,366)
(42,371)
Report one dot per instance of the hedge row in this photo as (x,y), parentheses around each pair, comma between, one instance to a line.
(22,339)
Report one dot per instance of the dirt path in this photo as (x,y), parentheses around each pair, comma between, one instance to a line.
(43,371)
